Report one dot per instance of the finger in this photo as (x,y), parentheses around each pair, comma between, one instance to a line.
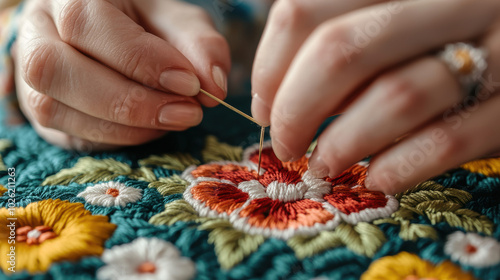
(190,30)
(48,113)
(320,77)
(100,30)
(396,103)
(288,26)
(463,133)
(435,149)
(68,142)
(56,69)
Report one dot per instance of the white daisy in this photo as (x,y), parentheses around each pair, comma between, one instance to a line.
(110,194)
(473,249)
(146,259)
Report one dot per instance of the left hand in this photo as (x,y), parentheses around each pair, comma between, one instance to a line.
(375,65)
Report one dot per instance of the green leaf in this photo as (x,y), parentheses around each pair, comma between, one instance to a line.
(217,151)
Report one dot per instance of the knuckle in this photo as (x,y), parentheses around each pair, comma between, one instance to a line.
(214,39)
(42,108)
(405,95)
(72,19)
(454,146)
(123,109)
(288,14)
(38,64)
(132,62)
(328,42)
(197,12)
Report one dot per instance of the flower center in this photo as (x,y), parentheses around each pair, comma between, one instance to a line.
(33,236)
(286,192)
(464,57)
(113,192)
(470,249)
(146,267)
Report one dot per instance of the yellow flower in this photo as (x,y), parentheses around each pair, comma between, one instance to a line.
(2,190)
(406,266)
(58,230)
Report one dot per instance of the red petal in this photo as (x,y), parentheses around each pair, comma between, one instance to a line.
(219,196)
(353,176)
(280,175)
(275,214)
(269,161)
(231,172)
(353,200)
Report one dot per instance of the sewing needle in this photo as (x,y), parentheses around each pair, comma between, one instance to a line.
(229,106)
(262,131)
(262,128)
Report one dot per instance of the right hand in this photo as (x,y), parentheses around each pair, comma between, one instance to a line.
(99,74)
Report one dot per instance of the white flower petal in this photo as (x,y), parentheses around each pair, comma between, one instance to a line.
(485,250)
(122,261)
(96,194)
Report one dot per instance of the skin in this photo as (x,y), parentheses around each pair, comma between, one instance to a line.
(400,102)
(139,66)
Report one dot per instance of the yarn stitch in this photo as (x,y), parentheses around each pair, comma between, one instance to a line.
(78,234)
(146,258)
(473,249)
(285,200)
(110,194)
(408,266)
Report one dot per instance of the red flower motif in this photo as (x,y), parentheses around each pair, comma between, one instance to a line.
(285,200)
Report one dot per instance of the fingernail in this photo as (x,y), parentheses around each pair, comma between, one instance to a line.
(369,183)
(180,82)
(280,150)
(260,110)
(182,114)
(219,77)
(317,167)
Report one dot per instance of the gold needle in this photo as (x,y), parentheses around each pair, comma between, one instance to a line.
(262,128)
(229,106)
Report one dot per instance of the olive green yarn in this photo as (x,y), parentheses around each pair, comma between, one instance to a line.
(363,239)
(231,245)
(217,151)
(4,145)
(91,170)
(177,161)
(175,211)
(170,185)
(438,204)
(451,213)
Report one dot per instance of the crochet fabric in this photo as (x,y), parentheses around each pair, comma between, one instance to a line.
(192,206)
